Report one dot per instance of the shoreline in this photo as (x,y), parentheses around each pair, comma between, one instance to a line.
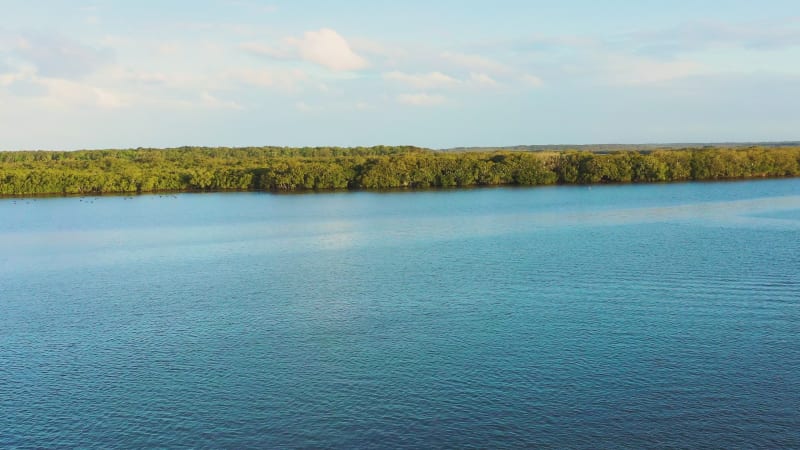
(408,190)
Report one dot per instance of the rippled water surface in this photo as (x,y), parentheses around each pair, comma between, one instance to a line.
(617,316)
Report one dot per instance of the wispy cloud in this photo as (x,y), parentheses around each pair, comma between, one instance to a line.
(481,79)
(211,101)
(571,59)
(324,47)
(422,81)
(60,57)
(625,69)
(389,55)
(700,35)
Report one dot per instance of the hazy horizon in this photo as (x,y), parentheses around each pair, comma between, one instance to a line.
(467,147)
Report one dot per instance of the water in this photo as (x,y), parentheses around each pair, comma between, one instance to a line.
(618,316)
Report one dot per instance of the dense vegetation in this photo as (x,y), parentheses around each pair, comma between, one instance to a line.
(284,169)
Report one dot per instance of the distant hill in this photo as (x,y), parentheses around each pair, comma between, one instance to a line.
(608,148)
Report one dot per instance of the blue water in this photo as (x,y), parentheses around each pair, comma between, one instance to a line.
(642,316)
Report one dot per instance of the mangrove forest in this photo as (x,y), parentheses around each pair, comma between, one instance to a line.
(325,168)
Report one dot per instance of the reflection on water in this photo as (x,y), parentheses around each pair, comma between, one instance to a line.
(38,250)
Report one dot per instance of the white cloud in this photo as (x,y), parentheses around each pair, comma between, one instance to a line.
(328,49)
(422,81)
(213,102)
(481,79)
(324,47)
(421,99)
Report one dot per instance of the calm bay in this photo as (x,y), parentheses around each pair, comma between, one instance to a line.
(662,315)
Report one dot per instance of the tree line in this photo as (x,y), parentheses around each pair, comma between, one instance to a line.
(323,168)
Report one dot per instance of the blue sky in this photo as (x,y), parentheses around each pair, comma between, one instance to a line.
(112,73)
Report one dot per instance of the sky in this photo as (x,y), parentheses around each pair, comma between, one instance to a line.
(160,73)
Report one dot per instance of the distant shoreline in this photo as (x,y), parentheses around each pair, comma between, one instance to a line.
(608,148)
(281,169)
